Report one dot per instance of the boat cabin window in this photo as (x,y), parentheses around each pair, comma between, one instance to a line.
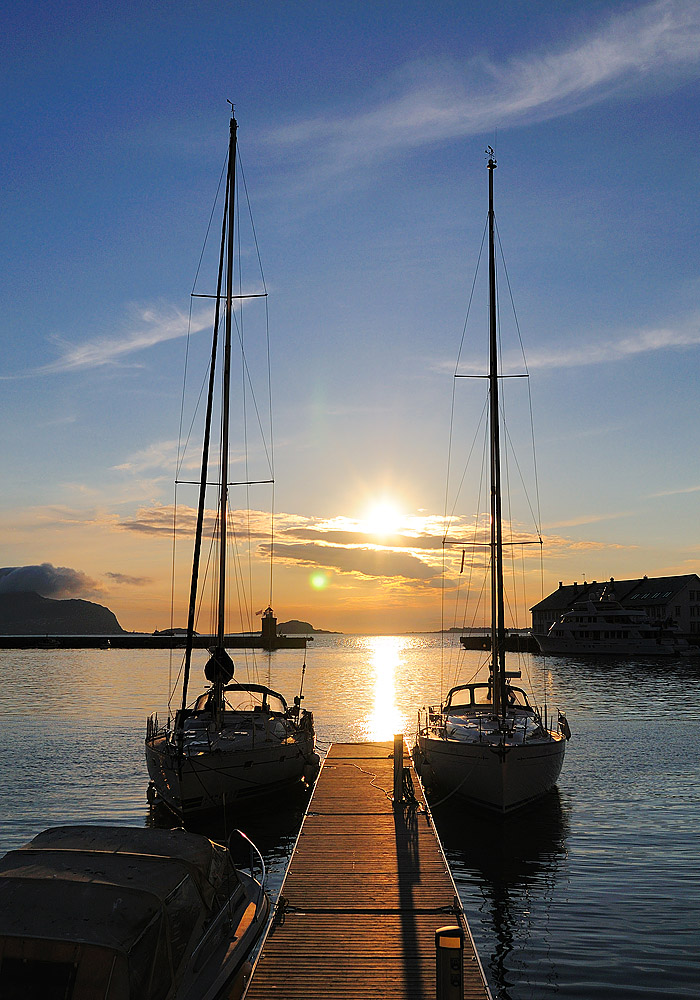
(476,696)
(516,696)
(150,974)
(470,696)
(183,906)
(243,700)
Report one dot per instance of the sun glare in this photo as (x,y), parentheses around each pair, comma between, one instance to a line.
(383,519)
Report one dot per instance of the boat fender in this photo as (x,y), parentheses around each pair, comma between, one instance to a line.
(564,726)
(311,768)
(151,794)
(427,777)
(240,982)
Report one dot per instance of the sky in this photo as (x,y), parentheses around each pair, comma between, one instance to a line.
(362,130)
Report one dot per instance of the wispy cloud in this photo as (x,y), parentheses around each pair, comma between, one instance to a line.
(557,547)
(657,42)
(159,455)
(145,329)
(58,421)
(159,519)
(129,581)
(576,522)
(587,350)
(357,537)
(370,562)
(674,493)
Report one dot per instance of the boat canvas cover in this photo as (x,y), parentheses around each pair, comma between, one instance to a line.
(138,892)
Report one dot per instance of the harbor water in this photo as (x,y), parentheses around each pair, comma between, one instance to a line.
(594,893)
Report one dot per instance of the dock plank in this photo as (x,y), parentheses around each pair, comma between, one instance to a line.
(366,888)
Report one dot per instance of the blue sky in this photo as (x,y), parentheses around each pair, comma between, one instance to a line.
(362,132)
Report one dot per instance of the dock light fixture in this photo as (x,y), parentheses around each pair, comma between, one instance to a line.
(449,953)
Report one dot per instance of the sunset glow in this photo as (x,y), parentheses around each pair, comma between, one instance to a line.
(362,159)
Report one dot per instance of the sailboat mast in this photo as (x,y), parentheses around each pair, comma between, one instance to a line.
(226,387)
(194,582)
(498,663)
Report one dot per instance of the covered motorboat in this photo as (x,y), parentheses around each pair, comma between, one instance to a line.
(124,914)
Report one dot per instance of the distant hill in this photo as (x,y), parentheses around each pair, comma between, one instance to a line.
(295,627)
(31,614)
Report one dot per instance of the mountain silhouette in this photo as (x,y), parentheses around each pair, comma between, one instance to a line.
(31,614)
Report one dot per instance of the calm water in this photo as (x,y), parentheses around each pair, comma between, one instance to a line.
(596,894)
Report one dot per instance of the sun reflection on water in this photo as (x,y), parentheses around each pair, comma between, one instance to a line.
(385,719)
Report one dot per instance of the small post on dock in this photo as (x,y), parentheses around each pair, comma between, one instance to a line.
(398,768)
(449,951)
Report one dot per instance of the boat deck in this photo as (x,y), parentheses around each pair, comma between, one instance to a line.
(366,889)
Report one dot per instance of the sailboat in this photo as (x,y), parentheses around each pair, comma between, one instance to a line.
(237,740)
(486,743)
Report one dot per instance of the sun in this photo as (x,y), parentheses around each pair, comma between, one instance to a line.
(383,519)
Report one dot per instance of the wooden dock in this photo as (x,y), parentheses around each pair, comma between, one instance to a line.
(366,888)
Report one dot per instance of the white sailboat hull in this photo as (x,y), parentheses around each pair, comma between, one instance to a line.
(500,778)
(209,780)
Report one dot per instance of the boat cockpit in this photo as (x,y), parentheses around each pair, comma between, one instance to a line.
(245,698)
(478,696)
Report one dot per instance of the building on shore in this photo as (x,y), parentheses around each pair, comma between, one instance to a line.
(661,597)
